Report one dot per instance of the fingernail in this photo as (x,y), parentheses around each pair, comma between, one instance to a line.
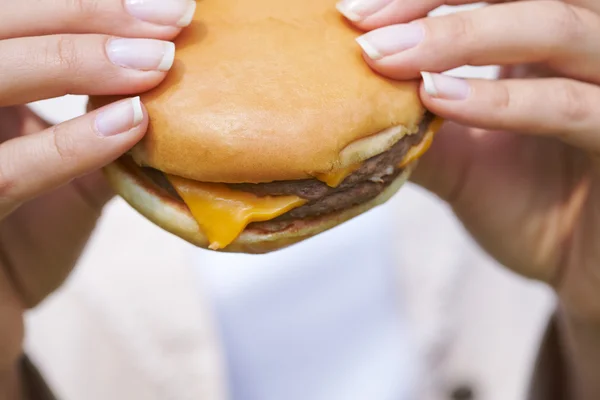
(120,117)
(163,12)
(445,87)
(357,10)
(142,54)
(390,40)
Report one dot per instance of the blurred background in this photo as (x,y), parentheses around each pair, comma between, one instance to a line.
(147,316)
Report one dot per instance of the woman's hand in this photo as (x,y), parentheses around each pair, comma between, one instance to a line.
(519,161)
(50,194)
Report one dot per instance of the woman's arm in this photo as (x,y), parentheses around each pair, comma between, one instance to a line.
(33,386)
(10,385)
(579,340)
(548,380)
(568,365)
(24,382)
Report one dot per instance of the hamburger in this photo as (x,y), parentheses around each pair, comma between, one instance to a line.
(269,129)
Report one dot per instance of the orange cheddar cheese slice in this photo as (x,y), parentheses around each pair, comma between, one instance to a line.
(417,151)
(335,178)
(223,213)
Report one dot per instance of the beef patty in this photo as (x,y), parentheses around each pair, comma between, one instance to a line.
(364,184)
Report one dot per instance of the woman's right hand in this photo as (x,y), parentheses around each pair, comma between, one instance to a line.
(50,191)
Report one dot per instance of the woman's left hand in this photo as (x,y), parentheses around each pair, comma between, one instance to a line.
(519,161)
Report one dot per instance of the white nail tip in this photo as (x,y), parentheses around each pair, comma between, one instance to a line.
(188,16)
(371,51)
(347,12)
(138,113)
(429,84)
(168,58)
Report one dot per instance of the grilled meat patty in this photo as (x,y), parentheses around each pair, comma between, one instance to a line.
(364,184)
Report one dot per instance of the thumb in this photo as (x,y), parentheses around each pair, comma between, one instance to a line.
(442,169)
(34,164)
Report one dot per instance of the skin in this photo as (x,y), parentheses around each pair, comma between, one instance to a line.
(518,158)
(51,192)
(517,161)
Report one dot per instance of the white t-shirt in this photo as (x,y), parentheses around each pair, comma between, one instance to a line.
(321,320)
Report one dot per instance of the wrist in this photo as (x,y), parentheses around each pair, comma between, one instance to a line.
(10,383)
(580,340)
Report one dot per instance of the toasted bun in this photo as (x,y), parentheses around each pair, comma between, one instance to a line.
(265,90)
(173,216)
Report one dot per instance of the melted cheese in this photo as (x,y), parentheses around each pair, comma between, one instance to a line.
(223,213)
(333,179)
(417,151)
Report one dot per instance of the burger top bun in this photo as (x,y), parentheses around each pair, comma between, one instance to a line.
(265,90)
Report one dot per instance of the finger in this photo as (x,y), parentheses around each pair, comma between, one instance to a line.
(563,36)
(51,66)
(442,168)
(59,225)
(371,14)
(592,5)
(94,189)
(33,164)
(558,107)
(130,18)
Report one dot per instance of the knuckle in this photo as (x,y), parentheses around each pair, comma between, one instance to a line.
(566,21)
(502,100)
(6,184)
(65,54)
(456,30)
(63,145)
(82,7)
(459,28)
(571,99)
(7,180)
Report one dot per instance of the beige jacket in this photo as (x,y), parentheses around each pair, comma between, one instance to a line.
(131,322)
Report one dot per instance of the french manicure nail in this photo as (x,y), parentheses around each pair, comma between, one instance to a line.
(445,87)
(391,40)
(357,10)
(120,117)
(142,54)
(164,12)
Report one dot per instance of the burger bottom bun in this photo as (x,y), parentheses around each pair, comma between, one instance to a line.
(174,216)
